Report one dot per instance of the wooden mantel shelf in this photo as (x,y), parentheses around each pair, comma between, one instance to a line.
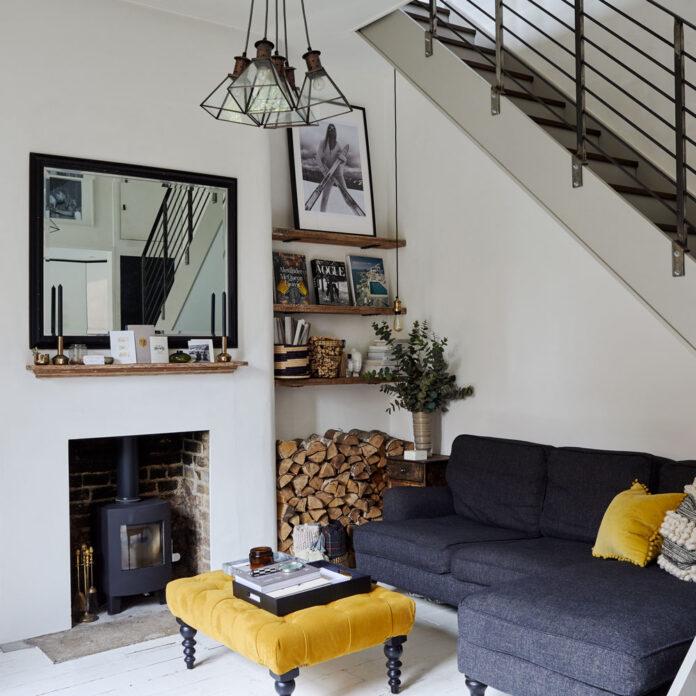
(361,241)
(334,309)
(42,371)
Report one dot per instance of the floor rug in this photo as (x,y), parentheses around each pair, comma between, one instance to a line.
(113,632)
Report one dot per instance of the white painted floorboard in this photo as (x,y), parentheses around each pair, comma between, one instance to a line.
(156,668)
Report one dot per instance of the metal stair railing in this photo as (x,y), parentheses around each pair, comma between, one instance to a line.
(676,150)
(168,245)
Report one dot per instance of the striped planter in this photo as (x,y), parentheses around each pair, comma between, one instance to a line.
(291,362)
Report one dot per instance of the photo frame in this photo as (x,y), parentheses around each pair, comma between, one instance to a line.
(331,176)
(201,350)
(69,197)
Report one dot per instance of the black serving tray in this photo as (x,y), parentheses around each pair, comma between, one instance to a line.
(280,606)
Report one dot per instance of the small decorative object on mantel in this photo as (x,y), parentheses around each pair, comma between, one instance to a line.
(142,334)
(419,381)
(179,357)
(159,349)
(40,358)
(201,350)
(123,347)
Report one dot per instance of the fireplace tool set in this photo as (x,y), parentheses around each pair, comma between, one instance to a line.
(86,601)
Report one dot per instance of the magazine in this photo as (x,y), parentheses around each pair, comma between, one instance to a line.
(368,281)
(330,282)
(271,577)
(290,279)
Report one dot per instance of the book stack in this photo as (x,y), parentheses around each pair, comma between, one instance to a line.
(291,332)
(378,357)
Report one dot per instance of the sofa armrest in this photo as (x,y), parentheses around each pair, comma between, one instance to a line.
(409,502)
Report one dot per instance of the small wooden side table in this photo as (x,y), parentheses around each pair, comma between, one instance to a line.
(426,472)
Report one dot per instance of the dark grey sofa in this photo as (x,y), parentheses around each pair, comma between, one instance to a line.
(509,540)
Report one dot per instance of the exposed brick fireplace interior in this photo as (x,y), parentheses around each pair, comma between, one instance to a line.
(173,467)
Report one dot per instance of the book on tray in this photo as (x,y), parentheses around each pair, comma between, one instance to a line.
(273,577)
(290,279)
(330,282)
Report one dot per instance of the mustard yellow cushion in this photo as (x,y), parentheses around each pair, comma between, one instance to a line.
(281,643)
(630,529)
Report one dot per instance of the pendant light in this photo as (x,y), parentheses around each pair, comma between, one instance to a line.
(262,91)
(398,307)
(319,98)
(221,104)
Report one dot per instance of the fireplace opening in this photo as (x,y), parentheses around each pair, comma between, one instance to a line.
(142,502)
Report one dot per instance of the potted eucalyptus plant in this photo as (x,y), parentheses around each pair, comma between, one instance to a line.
(419,380)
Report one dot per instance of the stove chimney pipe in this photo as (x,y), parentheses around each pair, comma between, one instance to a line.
(127,470)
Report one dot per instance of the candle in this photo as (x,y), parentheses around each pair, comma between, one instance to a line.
(53,310)
(212,314)
(224,313)
(60,310)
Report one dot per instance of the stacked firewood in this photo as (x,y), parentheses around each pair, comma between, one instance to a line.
(340,476)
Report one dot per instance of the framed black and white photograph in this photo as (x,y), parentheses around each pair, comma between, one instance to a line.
(201,350)
(68,196)
(331,176)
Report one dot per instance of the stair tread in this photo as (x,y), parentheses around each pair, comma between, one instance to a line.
(426,6)
(559,124)
(519,94)
(597,157)
(672,229)
(487,67)
(637,191)
(443,24)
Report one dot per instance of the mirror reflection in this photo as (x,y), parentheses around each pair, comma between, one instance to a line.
(130,250)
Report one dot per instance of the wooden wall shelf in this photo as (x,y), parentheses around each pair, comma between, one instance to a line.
(337,381)
(43,371)
(334,309)
(362,241)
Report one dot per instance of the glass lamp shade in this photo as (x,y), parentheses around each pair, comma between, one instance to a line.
(285,119)
(222,104)
(319,97)
(261,89)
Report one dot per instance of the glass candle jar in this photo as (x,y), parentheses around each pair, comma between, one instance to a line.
(260,556)
(77,353)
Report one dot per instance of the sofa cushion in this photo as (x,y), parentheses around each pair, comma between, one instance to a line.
(673,476)
(610,625)
(427,543)
(492,564)
(498,482)
(581,484)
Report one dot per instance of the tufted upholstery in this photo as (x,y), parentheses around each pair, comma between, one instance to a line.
(281,643)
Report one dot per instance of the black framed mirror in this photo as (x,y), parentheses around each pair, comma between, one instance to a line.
(130,245)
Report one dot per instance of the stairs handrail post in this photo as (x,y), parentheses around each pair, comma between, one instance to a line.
(431,34)
(680,245)
(497,89)
(165,256)
(580,157)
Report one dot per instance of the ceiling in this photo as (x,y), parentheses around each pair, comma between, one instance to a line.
(326,17)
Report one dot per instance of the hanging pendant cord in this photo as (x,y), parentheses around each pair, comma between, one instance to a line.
(304,16)
(285,29)
(251,16)
(277,27)
(396,188)
(265,25)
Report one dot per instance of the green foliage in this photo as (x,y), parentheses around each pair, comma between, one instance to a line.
(420,381)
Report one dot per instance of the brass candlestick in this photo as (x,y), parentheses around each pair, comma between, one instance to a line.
(60,359)
(224,356)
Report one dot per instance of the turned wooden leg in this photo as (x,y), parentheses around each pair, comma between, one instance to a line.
(188,633)
(393,649)
(476,688)
(285,683)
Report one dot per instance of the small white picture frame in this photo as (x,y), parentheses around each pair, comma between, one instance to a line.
(159,350)
(201,350)
(123,347)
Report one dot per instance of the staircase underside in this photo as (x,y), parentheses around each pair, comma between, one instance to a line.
(616,232)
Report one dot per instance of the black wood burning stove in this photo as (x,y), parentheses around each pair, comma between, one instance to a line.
(135,549)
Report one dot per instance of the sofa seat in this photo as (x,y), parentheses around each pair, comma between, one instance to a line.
(611,626)
(426,543)
(505,561)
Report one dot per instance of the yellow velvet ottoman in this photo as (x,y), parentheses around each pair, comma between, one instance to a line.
(283,644)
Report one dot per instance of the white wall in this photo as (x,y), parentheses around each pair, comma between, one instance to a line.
(558,349)
(108,80)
